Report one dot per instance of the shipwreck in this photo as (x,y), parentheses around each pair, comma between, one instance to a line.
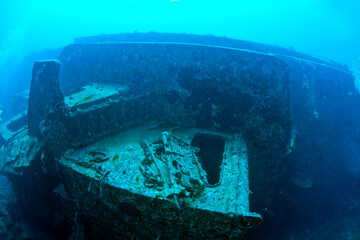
(144,137)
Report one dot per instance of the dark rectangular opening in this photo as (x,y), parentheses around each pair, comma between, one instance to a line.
(210,154)
(17,124)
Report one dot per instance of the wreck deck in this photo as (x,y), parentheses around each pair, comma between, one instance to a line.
(118,161)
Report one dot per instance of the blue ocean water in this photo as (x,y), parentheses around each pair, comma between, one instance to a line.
(318,197)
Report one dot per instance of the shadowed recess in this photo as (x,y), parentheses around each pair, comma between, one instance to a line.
(211,149)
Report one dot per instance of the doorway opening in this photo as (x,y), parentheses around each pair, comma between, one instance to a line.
(210,154)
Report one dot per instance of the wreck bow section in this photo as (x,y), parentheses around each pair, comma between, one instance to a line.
(153,139)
